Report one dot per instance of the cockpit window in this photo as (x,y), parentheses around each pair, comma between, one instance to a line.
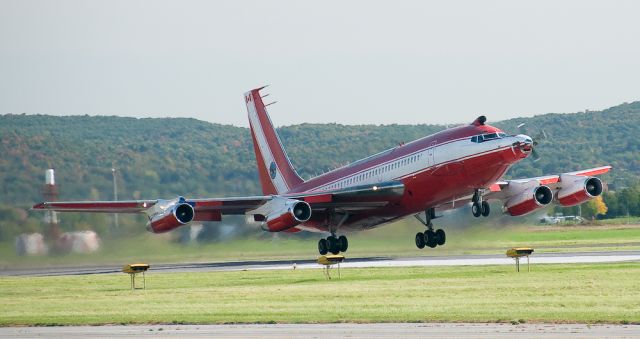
(490,136)
(487,137)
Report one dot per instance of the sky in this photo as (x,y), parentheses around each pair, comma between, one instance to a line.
(348,62)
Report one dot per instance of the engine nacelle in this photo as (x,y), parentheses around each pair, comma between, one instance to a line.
(290,214)
(170,216)
(529,200)
(578,189)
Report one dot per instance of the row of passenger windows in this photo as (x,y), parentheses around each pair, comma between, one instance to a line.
(487,137)
(360,178)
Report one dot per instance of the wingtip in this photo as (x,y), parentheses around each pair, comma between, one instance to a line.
(39,206)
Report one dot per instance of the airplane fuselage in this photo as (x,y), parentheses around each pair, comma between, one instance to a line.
(436,169)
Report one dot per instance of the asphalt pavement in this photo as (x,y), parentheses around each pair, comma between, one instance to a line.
(453,260)
(387,330)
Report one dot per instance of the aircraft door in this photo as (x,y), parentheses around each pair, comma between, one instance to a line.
(430,153)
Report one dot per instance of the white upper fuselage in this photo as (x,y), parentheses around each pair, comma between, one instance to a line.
(419,157)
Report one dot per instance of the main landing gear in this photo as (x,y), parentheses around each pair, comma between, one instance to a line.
(479,206)
(333,244)
(429,237)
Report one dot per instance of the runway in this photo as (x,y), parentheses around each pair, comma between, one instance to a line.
(388,330)
(454,260)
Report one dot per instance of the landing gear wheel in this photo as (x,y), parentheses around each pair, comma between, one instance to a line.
(476,209)
(486,209)
(441,237)
(323,246)
(334,246)
(430,238)
(344,243)
(420,240)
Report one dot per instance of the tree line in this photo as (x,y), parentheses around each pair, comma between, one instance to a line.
(167,157)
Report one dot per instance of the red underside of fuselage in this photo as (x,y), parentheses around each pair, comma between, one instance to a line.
(432,187)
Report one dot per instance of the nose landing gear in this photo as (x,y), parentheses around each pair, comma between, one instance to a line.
(479,206)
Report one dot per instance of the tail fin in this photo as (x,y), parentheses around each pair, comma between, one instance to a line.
(277,175)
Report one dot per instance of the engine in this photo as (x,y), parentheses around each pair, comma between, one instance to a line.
(529,200)
(289,214)
(169,215)
(578,189)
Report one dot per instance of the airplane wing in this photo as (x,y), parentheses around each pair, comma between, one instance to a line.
(522,196)
(352,198)
(122,206)
(551,179)
(180,211)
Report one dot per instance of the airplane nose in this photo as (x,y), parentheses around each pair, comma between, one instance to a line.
(524,138)
(525,142)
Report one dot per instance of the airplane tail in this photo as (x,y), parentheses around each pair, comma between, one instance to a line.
(277,175)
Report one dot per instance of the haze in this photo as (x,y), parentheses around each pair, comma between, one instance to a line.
(351,62)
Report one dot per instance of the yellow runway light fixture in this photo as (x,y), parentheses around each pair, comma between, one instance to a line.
(132,270)
(519,252)
(328,261)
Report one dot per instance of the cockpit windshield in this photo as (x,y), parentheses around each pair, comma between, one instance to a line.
(487,137)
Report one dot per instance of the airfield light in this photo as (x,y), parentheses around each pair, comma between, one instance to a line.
(132,270)
(328,261)
(517,253)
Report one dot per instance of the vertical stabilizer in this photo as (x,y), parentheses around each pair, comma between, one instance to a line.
(277,175)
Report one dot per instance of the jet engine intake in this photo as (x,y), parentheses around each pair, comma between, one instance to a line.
(171,218)
(529,200)
(579,190)
(294,213)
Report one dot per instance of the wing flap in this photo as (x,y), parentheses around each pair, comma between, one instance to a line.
(356,197)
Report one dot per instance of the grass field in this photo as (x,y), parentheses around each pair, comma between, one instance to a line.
(593,293)
(393,240)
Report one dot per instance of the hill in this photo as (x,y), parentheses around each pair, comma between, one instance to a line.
(166,157)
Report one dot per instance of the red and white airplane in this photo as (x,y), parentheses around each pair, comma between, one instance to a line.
(450,169)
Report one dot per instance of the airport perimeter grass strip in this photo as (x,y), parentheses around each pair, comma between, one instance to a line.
(581,293)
